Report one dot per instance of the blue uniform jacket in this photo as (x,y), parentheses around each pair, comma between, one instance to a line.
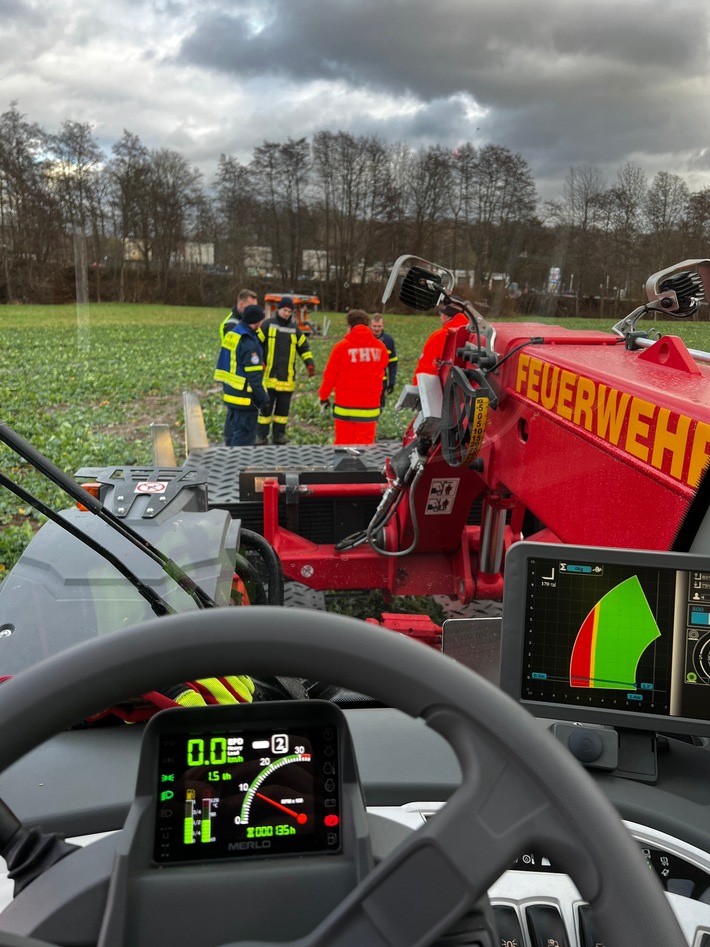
(240,368)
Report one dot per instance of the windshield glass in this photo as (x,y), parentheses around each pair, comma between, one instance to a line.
(546,167)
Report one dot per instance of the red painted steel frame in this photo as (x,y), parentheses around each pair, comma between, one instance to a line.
(602,444)
(321,566)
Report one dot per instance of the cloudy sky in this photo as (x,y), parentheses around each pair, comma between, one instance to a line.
(563,82)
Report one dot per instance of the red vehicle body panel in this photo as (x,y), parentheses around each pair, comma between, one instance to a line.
(602,444)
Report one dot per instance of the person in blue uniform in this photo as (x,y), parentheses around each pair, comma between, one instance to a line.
(240,368)
(377,326)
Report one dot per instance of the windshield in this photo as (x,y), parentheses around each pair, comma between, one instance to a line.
(542,164)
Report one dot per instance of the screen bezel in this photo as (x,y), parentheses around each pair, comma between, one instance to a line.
(513,633)
(286,715)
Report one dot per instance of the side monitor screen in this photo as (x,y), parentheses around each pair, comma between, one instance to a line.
(618,637)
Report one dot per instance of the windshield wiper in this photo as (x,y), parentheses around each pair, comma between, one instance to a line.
(50,470)
(157,603)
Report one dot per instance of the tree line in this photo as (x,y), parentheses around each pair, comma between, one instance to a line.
(355,202)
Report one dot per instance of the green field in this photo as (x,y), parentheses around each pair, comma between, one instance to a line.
(84,385)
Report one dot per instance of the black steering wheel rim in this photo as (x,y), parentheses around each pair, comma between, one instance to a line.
(536,781)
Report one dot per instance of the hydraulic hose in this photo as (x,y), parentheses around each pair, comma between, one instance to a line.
(254,541)
(415,525)
(383,514)
(247,573)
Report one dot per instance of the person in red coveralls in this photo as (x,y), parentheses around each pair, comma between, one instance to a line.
(355,370)
(430,359)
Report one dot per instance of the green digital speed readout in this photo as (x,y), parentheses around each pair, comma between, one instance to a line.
(215,751)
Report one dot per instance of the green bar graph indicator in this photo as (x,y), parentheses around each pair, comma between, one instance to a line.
(206,824)
(612,639)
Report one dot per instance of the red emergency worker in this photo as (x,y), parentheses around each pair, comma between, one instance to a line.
(355,369)
(430,359)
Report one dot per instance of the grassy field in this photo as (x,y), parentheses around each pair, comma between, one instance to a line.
(84,385)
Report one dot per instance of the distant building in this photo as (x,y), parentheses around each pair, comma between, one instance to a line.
(258,261)
(192,254)
(314,264)
(133,251)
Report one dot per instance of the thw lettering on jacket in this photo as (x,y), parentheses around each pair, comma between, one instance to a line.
(365,355)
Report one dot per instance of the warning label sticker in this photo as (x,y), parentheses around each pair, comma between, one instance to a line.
(441,497)
(151,486)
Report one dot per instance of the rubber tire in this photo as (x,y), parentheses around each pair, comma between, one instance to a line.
(297,595)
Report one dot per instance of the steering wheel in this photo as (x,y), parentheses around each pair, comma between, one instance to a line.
(520,787)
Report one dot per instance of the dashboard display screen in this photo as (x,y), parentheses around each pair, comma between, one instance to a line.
(233,792)
(622,632)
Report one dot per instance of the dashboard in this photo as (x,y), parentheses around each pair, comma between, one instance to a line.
(407,772)
(218,804)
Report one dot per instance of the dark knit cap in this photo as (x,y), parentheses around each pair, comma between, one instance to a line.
(252,315)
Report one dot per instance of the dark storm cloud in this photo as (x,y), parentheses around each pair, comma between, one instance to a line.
(455,45)
(15,10)
(561,82)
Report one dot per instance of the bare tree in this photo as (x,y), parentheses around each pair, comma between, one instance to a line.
(280,172)
(429,187)
(76,160)
(128,174)
(627,197)
(265,167)
(351,181)
(698,225)
(462,184)
(394,225)
(296,161)
(174,194)
(236,212)
(578,214)
(30,222)
(376,188)
(501,199)
(666,208)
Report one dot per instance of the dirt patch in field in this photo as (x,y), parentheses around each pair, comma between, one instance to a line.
(154,409)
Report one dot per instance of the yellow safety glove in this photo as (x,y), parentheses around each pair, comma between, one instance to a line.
(234,689)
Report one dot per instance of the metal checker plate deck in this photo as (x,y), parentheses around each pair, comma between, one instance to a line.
(223,464)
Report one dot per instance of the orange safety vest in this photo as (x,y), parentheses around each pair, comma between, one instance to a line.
(355,369)
(430,359)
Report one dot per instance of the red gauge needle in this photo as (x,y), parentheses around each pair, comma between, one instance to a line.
(300,817)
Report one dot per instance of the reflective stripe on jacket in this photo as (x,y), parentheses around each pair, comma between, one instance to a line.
(233,319)
(282,340)
(393,358)
(240,368)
